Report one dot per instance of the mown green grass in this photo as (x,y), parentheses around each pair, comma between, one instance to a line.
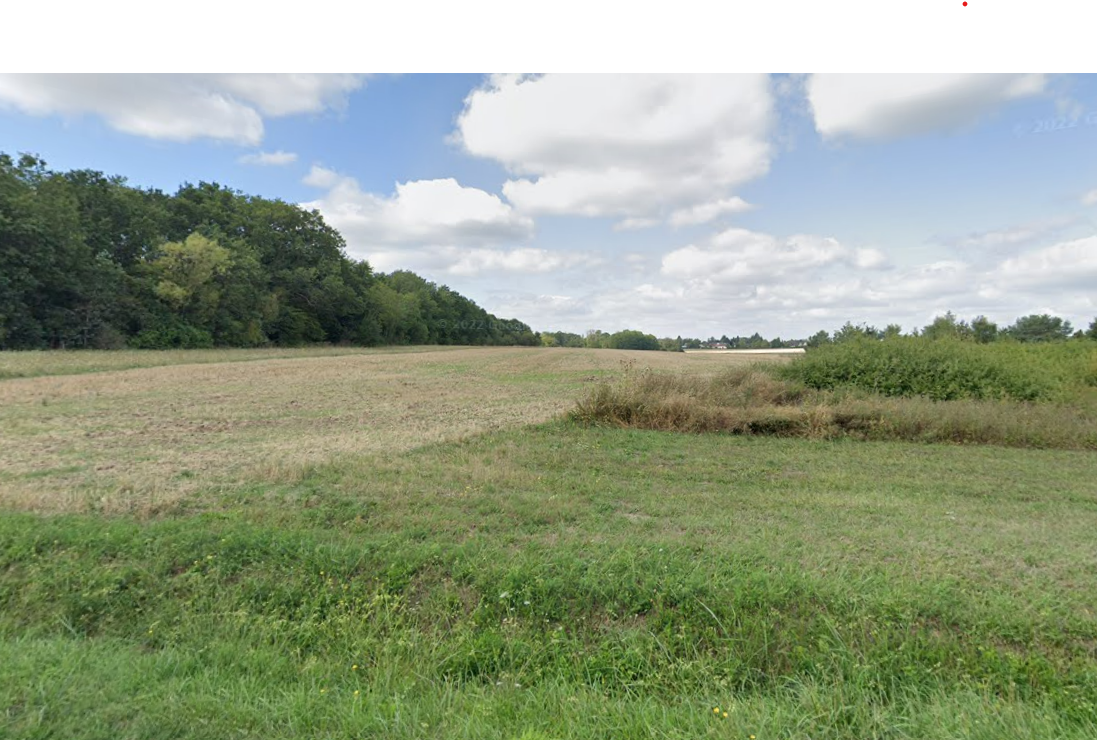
(567,582)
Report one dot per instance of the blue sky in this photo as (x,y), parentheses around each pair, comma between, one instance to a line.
(680,205)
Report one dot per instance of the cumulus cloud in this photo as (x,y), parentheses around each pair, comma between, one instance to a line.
(550,311)
(633,224)
(436,227)
(473,262)
(420,212)
(275,159)
(1090,198)
(631,146)
(741,281)
(925,283)
(891,106)
(178,107)
(525,260)
(1070,264)
(705,212)
(739,256)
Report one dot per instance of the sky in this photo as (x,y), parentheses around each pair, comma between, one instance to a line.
(681,205)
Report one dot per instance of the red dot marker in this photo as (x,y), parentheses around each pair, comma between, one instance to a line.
(965,5)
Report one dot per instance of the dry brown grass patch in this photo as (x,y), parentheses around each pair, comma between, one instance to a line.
(144,439)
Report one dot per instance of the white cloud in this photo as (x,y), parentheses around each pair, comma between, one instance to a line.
(178,107)
(890,106)
(739,281)
(473,262)
(924,283)
(322,177)
(632,146)
(633,224)
(705,212)
(994,243)
(275,159)
(739,256)
(870,259)
(420,213)
(1090,198)
(555,312)
(1068,103)
(438,227)
(1001,237)
(524,260)
(1064,265)
(816,283)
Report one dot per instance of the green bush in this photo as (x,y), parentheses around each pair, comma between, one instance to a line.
(946,370)
(173,336)
(753,401)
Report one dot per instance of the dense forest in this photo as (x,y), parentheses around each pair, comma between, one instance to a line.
(87,260)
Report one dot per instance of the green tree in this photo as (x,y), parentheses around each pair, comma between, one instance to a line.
(87,260)
(947,327)
(848,332)
(54,290)
(984,330)
(1039,328)
(597,339)
(185,273)
(631,339)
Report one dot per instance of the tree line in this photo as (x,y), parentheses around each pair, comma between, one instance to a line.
(1032,328)
(87,260)
(598,339)
(981,330)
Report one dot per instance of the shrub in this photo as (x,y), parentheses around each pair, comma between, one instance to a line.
(945,369)
(756,401)
(173,336)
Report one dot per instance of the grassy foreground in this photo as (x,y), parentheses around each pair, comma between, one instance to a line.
(557,581)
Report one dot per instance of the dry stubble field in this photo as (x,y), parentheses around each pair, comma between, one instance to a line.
(141,439)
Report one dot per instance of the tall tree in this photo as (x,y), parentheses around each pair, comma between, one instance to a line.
(947,327)
(1039,328)
(984,330)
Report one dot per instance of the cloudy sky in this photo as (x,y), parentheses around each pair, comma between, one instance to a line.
(681,205)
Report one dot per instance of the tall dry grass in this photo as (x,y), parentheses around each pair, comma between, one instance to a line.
(751,400)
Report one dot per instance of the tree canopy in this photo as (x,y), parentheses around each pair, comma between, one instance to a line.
(87,260)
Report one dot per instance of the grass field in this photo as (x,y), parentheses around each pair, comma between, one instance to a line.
(419,545)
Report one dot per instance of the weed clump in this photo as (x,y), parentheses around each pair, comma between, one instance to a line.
(849,396)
